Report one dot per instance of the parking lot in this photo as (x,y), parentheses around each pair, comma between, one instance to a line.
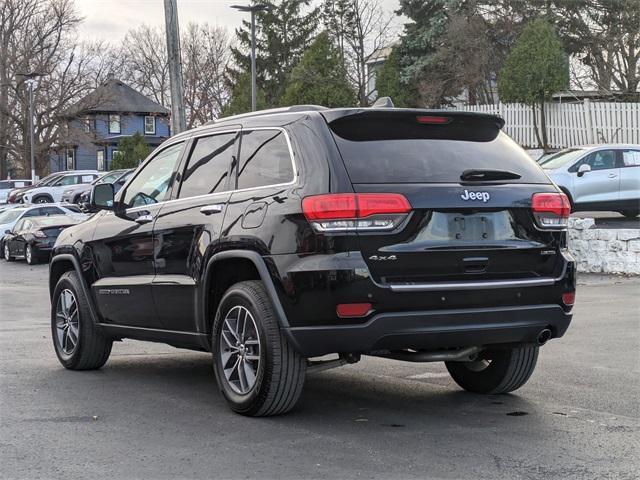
(155,412)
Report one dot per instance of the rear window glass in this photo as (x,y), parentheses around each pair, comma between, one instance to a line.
(375,151)
(264,159)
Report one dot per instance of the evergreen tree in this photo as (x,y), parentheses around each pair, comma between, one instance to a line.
(132,150)
(388,83)
(283,32)
(536,68)
(319,78)
(240,101)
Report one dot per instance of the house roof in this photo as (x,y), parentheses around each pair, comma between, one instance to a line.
(115,96)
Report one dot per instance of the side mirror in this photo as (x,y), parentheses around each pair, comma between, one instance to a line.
(101,197)
(584,168)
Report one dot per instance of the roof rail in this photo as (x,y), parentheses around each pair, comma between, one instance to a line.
(270,111)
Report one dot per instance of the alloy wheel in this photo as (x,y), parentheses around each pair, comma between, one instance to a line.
(67,322)
(6,251)
(28,254)
(239,349)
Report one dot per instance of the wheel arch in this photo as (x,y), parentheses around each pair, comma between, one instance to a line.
(41,195)
(226,268)
(62,263)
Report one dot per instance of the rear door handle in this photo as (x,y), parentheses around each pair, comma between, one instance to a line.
(210,209)
(142,219)
(612,175)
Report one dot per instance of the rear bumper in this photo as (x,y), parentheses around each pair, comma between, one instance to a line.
(430,330)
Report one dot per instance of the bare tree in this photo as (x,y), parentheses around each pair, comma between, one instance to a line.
(359,27)
(205,55)
(145,65)
(38,36)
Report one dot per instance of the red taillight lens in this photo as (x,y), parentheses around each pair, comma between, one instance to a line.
(433,120)
(355,211)
(351,310)
(551,210)
(569,298)
(321,207)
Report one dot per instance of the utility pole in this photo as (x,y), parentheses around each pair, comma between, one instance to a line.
(253,9)
(178,120)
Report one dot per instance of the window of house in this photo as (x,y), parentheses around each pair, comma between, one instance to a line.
(115,154)
(71,158)
(114,123)
(100,159)
(87,125)
(152,183)
(149,125)
(264,159)
(208,165)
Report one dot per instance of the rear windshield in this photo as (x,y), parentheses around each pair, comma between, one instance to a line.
(390,151)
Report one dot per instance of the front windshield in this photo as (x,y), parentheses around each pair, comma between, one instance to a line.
(561,158)
(9,216)
(109,177)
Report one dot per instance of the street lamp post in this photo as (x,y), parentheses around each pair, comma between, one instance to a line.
(30,81)
(253,9)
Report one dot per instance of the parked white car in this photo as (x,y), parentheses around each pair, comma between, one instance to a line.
(53,193)
(598,178)
(7,185)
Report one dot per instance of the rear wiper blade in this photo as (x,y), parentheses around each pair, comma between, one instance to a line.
(478,175)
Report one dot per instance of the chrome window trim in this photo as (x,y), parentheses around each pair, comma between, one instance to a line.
(212,133)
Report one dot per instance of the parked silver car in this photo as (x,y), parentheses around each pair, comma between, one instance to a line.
(601,177)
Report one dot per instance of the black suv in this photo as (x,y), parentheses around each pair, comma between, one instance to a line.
(274,237)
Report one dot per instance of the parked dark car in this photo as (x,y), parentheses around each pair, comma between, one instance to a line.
(117,182)
(272,238)
(33,237)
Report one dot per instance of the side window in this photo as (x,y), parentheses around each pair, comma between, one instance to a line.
(34,212)
(68,180)
(71,208)
(152,182)
(631,158)
(208,165)
(264,159)
(50,211)
(602,160)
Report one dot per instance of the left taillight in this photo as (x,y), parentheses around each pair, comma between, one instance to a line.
(350,212)
(551,210)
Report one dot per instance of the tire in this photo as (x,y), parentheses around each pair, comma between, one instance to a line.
(31,256)
(279,371)
(7,255)
(42,199)
(497,371)
(91,349)
(630,213)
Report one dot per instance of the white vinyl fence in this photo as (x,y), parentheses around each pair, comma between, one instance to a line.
(569,124)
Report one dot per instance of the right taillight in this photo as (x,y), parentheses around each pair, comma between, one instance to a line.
(350,212)
(551,210)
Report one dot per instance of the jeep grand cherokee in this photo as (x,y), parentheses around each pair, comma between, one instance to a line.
(273,238)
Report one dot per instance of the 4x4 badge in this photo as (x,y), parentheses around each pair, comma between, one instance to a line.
(467,195)
(382,258)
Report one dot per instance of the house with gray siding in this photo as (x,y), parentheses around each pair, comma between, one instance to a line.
(93,126)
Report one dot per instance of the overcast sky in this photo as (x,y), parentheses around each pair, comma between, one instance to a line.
(110,19)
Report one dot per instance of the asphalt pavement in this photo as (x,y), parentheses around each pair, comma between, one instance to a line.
(154,412)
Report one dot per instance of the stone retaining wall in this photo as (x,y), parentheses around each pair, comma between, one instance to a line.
(604,250)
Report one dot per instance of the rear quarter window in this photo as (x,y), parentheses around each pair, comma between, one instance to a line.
(386,151)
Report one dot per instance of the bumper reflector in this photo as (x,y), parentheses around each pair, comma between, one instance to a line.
(569,298)
(353,310)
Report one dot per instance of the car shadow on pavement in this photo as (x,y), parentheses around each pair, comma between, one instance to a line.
(330,399)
